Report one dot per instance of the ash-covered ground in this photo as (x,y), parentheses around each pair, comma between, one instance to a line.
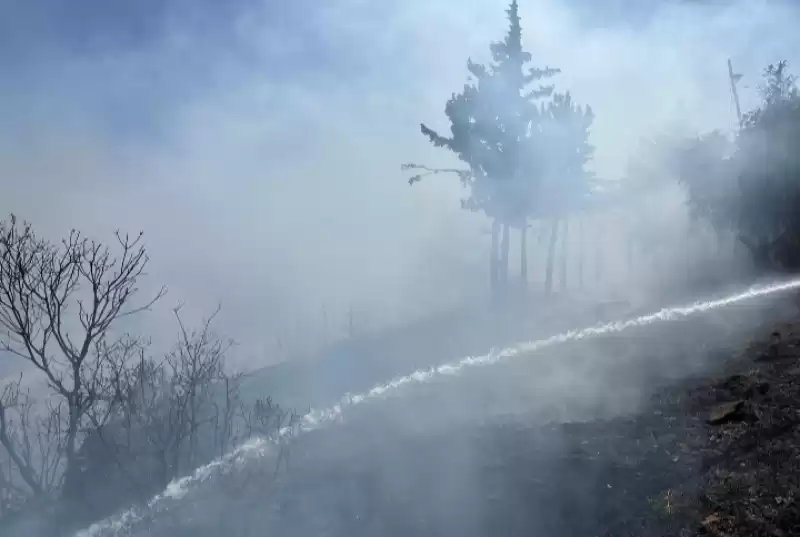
(679,428)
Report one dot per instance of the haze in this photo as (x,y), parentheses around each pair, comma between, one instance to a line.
(258,144)
(263,149)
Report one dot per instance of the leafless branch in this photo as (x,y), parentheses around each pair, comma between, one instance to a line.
(57,304)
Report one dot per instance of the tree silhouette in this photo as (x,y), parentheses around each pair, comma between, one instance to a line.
(766,215)
(566,185)
(752,190)
(493,130)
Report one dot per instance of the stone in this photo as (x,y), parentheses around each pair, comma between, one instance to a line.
(726,412)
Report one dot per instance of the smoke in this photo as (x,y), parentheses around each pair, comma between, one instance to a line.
(257,145)
(259,448)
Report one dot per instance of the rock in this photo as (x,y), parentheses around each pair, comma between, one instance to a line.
(711,520)
(726,412)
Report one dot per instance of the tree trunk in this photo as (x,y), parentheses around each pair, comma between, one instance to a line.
(192,418)
(630,255)
(580,254)
(25,471)
(523,253)
(551,253)
(74,415)
(505,247)
(494,258)
(598,257)
(564,255)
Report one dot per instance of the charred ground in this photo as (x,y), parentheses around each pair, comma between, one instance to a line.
(683,439)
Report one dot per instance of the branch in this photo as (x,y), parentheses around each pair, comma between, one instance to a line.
(10,398)
(435,138)
(464,175)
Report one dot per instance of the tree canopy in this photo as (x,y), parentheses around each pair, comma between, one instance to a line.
(525,146)
(751,187)
(565,184)
(494,126)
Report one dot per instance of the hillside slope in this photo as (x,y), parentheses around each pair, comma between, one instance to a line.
(358,364)
(682,428)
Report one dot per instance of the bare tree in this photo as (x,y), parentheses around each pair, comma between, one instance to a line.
(211,414)
(116,422)
(57,305)
(169,416)
(195,364)
(32,439)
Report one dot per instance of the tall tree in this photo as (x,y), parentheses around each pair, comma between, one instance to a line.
(581,255)
(494,130)
(753,191)
(523,262)
(564,254)
(566,185)
(765,212)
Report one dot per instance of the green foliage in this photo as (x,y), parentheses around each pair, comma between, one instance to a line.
(566,185)
(704,167)
(494,127)
(755,192)
(768,163)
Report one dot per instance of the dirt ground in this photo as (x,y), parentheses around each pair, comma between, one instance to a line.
(750,445)
(718,455)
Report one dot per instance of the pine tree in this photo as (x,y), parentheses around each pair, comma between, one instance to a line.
(493,129)
(566,185)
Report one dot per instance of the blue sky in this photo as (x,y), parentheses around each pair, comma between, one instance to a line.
(132,61)
(129,65)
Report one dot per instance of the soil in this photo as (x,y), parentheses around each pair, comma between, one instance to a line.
(715,455)
(719,456)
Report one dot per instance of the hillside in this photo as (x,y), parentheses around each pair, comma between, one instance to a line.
(682,428)
(357,364)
